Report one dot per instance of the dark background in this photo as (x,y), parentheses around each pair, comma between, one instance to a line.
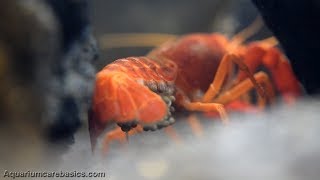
(172,17)
(295,23)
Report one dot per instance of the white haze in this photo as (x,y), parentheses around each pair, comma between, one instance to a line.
(280,144)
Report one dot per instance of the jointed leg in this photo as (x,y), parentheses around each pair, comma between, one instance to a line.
(244,86)
(207,107)
(118,135)
(281,72)
(221,74)
(195,125)
(172,134)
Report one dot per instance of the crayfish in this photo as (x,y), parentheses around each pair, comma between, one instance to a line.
(194,73)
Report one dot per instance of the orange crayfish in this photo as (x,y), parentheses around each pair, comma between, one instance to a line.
(192,72)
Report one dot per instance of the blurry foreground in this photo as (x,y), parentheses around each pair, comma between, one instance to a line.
(280,144)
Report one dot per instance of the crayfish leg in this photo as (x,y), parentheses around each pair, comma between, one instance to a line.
(171,132)
(118,135)
(282,75)
(245,86)
(208,107)
(222,73)
(195,125)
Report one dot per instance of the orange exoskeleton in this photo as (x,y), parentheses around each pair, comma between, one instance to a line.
(192,73)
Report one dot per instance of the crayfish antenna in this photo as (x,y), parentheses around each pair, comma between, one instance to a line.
(246,33)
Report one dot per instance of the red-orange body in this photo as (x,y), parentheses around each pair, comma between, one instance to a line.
(140,90)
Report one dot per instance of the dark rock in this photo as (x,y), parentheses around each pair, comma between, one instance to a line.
(296,24)
(73,18)
(46,74)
